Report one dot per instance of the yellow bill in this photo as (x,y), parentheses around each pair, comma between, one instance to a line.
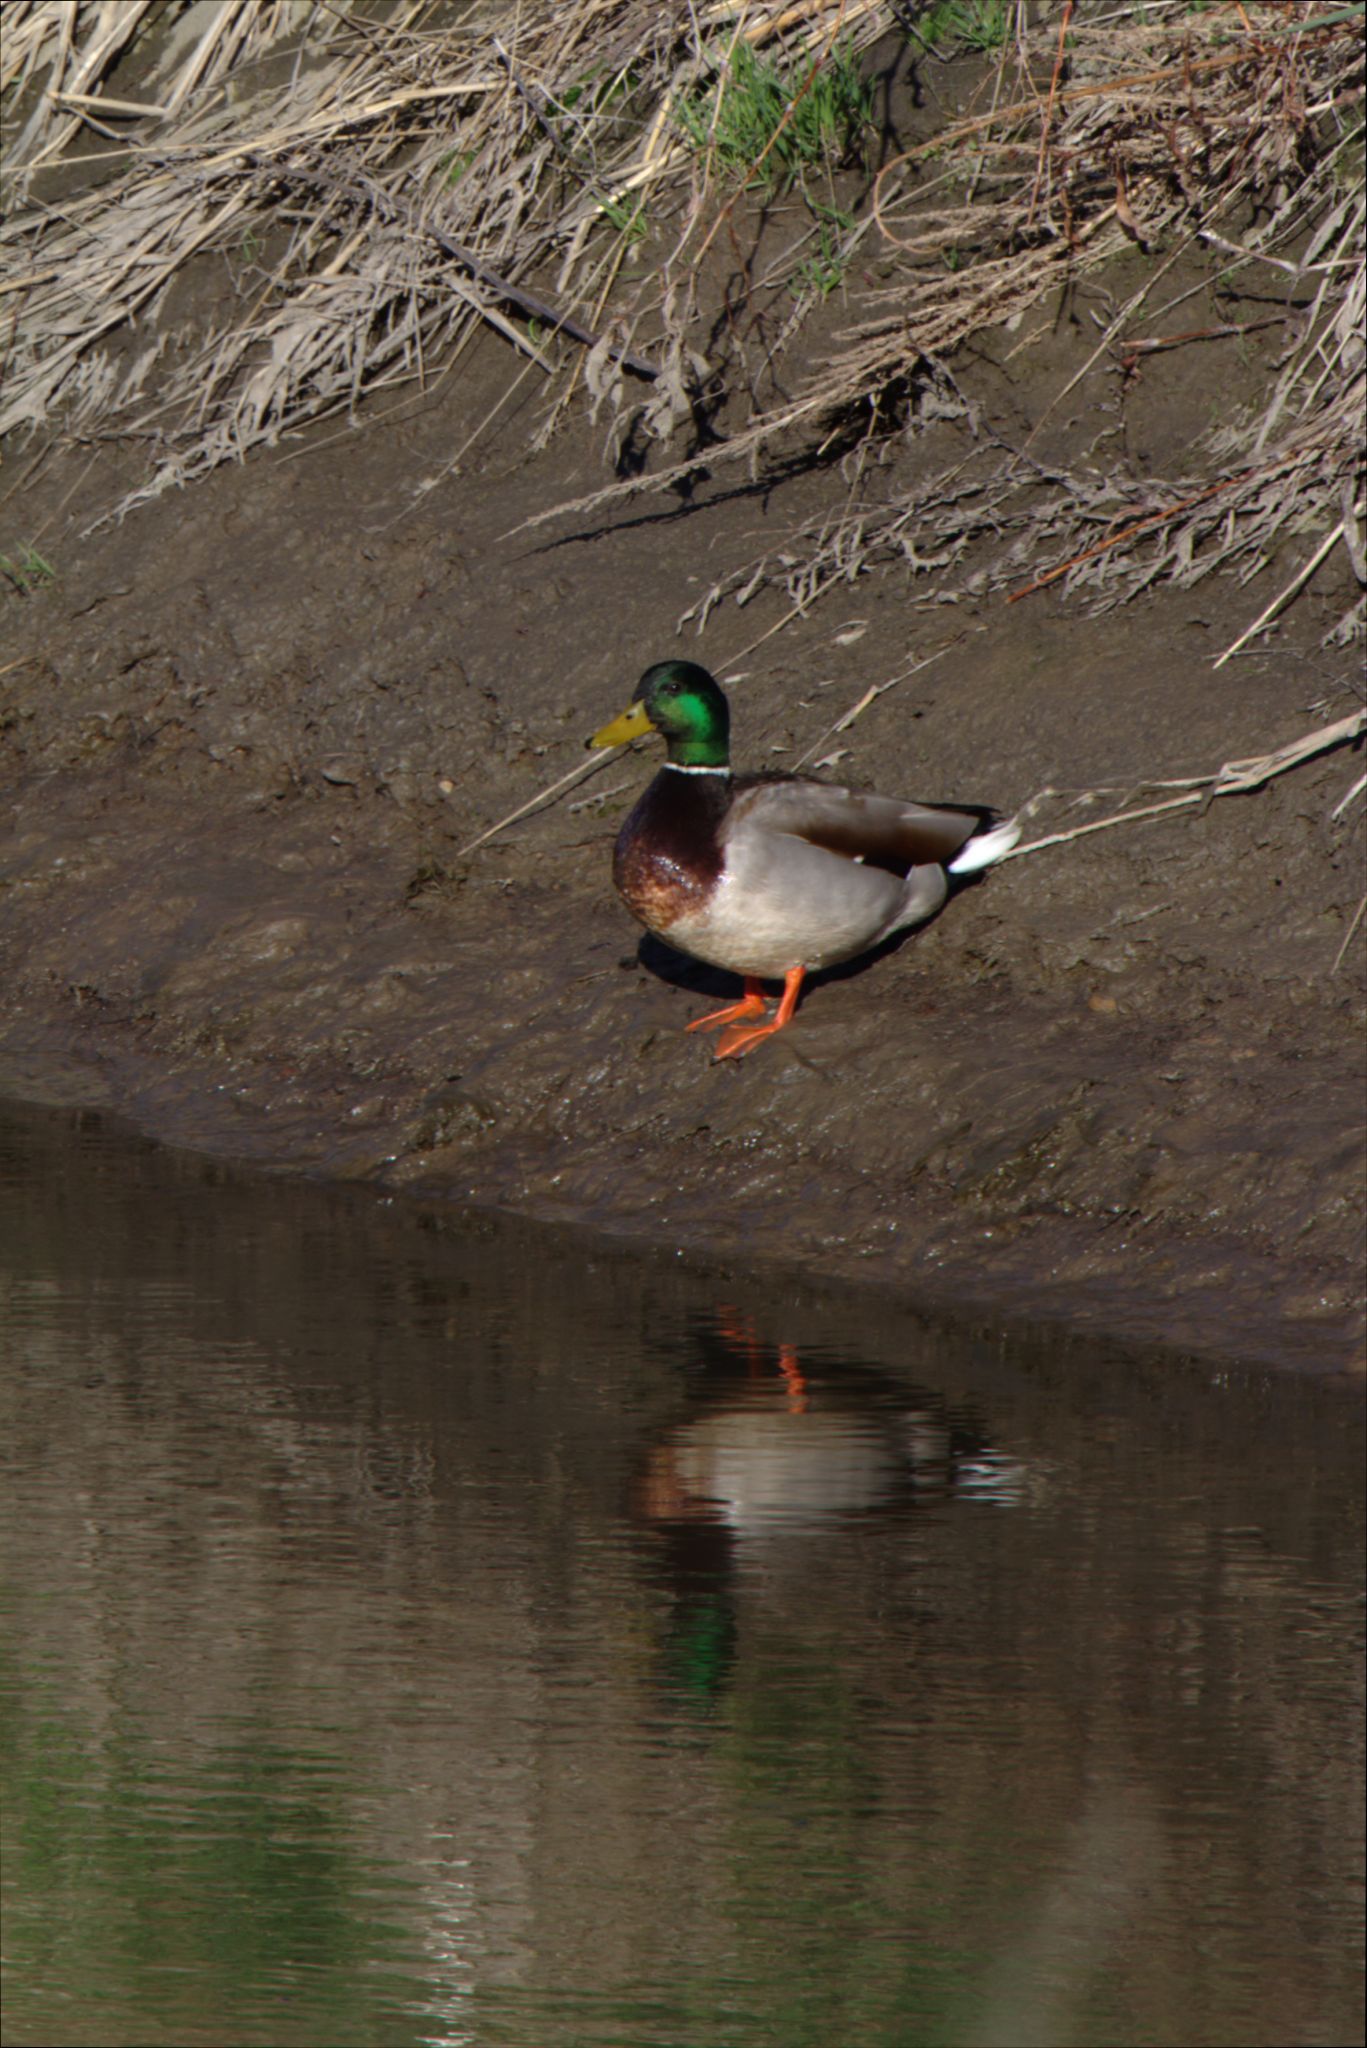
(632,723)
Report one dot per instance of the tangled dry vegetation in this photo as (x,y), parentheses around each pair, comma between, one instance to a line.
(223,226)
(374,190)
(1184,133)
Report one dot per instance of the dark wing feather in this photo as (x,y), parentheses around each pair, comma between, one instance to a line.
(882,831)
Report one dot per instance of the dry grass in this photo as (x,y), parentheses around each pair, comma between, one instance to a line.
(299,207)
(358,197)
(1173,127)
(1232,778)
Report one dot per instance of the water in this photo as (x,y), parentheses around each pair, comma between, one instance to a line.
(432,1630)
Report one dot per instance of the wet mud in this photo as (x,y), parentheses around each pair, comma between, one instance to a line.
(247,732)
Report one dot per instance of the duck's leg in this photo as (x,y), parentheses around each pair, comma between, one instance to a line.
(738,1040)
(750,1005)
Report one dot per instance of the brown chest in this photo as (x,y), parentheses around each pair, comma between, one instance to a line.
(668,856)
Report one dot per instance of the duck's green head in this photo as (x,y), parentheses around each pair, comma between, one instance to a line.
(681,702)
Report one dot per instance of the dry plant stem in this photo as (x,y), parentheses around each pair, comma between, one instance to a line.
(1283,597)
(108,105)
(1174,803)
(1233,779)
(1047,122)
(1348,936)
(580,772)
(1157,344)
(390,209)
(1356,791)
(1247,255)
(115,29)
(794,612)
(1166,75)
(1138,526)
(1131,307)
(875,691)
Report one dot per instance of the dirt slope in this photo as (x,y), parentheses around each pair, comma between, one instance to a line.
(1117,1082)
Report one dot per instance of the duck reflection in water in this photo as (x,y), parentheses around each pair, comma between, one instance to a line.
(777,1447)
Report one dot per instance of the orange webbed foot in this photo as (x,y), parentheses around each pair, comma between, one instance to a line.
(738,1039)
(750,1005)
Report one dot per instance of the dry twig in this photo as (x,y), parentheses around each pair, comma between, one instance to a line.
(1235,778)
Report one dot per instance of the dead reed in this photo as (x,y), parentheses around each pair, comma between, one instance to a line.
(305,208)
(297,210)
(1231,139)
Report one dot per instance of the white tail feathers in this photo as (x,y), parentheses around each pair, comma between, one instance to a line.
(984,847)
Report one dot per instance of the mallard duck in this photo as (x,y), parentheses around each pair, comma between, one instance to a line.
(772,875)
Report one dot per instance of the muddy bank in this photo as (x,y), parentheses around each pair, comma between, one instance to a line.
(248,731)
(1115,1083)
